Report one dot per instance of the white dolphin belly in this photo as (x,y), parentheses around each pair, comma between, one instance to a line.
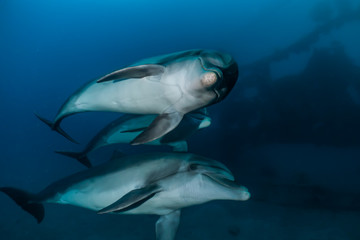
(138,96)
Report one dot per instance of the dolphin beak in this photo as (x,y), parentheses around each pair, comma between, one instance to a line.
(244,193)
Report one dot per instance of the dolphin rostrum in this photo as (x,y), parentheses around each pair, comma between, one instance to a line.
(127,127)
(153,183)
(168,86)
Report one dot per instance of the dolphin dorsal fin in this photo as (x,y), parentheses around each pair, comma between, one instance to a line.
(132,199)
(140,71)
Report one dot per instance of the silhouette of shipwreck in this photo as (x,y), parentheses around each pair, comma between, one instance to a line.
(321,105)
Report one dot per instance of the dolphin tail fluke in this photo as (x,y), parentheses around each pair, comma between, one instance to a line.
(56,128)
(80,156)
(26,201)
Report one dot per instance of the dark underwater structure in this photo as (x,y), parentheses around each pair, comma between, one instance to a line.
(318,106)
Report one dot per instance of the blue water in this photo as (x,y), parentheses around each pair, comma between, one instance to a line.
(289,130)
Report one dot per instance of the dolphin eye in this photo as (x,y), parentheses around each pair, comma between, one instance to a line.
(208,79)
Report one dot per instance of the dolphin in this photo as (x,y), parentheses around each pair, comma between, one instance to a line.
(152,183)
(127,127)
(169,86)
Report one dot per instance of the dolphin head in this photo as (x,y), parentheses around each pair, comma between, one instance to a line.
(201,179)
(219,179)
(221,73)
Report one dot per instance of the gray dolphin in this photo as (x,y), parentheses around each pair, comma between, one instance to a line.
(156,183)
(168,86)
(127,127)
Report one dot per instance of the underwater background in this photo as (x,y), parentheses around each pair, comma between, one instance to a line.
(289,130)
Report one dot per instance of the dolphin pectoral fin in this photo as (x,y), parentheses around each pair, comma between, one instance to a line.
(140,71)
(132,199)
(201,115)
(163,124)
(167,225)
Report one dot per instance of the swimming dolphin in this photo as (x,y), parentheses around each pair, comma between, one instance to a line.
(168,86)
(127,127)
(153,183)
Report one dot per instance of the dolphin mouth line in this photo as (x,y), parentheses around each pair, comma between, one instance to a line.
(217,94)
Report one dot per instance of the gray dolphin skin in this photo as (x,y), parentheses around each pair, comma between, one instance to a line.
(153,183)
(127,127)
(169,86)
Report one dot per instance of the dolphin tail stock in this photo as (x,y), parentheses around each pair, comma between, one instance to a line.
(55,126)
(26,201)
(80,156)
